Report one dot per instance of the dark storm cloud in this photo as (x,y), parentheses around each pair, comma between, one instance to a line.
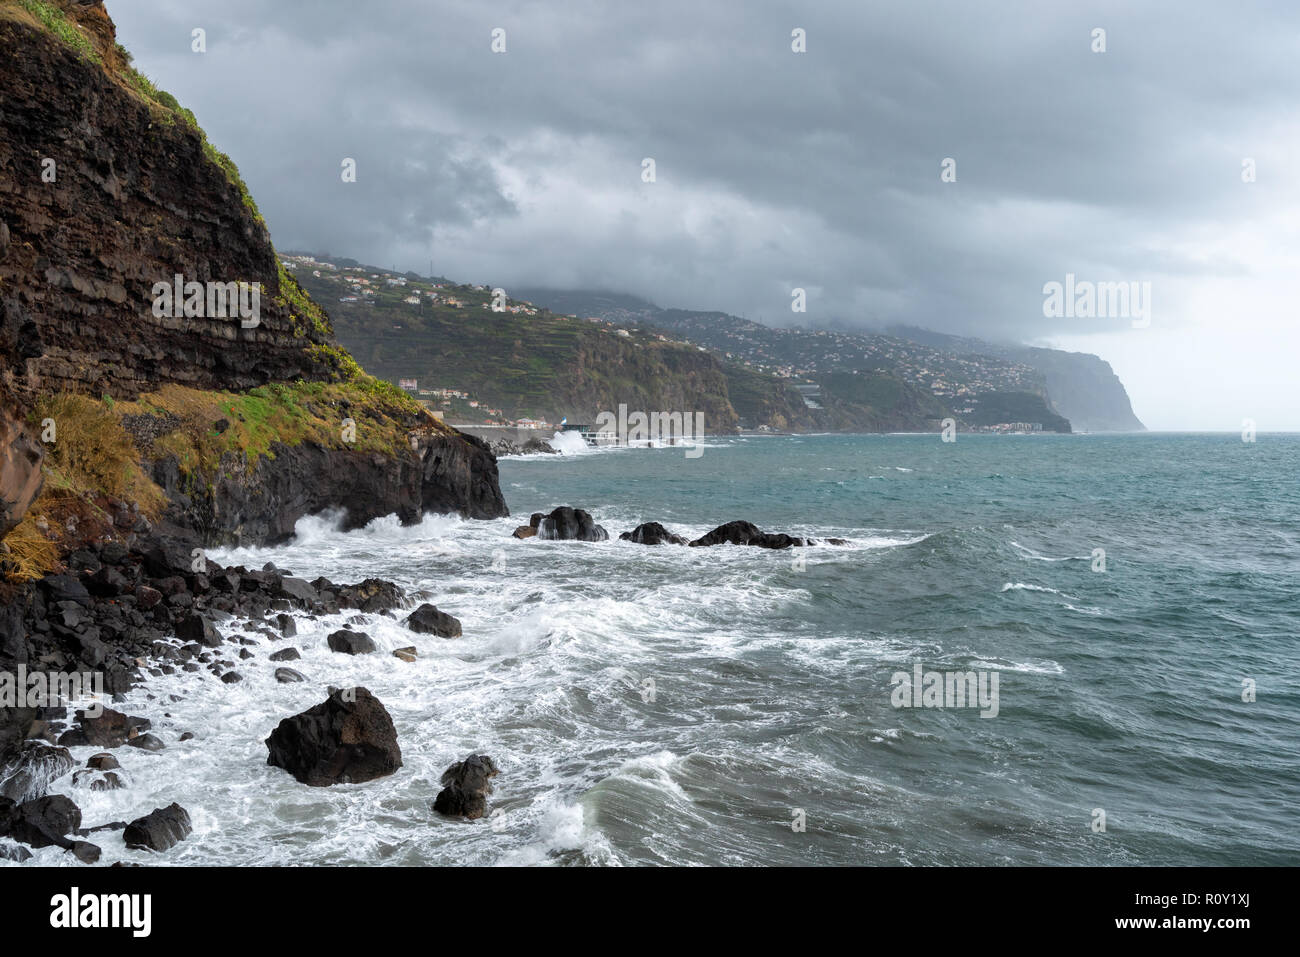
(775,169)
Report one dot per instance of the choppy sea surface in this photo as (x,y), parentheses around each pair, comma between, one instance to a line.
(671,705)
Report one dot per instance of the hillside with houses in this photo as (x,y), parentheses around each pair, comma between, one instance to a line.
(475,355)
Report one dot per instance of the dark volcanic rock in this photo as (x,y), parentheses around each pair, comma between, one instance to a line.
(467,785)
(199,629)
(107,582)
(346,739)
(64,588)
(652,533)
(146,597)
(571,524)
(111,729)
(428,620)
(351,642)
(746,533)
(732,533)
(372,595)
(777,540)
(287,676)
(297,589)
(446,472)
(103,762)
(286,654)
(160,829)
(85,852)
(43,822)
(169,558)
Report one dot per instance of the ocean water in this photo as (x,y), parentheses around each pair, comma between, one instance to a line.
(1119,690)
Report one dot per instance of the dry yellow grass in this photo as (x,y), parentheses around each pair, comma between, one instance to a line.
(89,458)
(30,553)
(92,454)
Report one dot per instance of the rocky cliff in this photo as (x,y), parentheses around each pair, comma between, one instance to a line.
(107,188)
(1080,386)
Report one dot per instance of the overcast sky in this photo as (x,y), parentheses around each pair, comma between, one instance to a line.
(775,169)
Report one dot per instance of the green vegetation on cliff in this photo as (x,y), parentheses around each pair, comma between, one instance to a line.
(200,427)
(53,19)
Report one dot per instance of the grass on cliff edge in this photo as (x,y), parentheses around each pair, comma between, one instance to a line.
(382,419)
(89,460)
(57,23)
(93,458)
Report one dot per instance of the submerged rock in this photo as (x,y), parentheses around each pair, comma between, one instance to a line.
(160,829)
(97,780)
(347,739)
(467,785)
(652,533)
(428,620)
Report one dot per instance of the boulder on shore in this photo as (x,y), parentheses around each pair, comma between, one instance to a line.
(570,524)
(467,785)
(652,533)
(109,729)
(350,642)
(160,829)
(428,620)
(43,822)
(347,739)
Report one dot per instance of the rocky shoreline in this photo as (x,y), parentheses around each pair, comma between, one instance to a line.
(150,606)
(128,612)
(503,447)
